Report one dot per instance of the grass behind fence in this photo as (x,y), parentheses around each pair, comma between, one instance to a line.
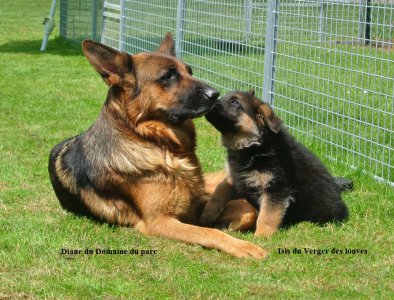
(330,88)
(47,97)
(321,98)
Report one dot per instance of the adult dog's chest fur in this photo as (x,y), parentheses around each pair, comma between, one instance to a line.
(147,162)
(117,164)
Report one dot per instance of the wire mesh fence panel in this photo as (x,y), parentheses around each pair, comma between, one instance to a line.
(328,67)
(80,19)
(146,23)
(111,23)
(224,42)
(335,79)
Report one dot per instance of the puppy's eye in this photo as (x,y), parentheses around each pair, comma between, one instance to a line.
(233,101)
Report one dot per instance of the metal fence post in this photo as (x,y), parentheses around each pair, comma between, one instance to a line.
(248,19)
(270,51)
(361,20)
(180,22)
(94,20)
(368,23)
(121,26)
(322,29)
(63,12)
(49,24)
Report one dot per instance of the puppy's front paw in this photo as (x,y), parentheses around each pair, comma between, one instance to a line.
(265,231)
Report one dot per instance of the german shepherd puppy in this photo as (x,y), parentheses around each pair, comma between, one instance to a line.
(279,176)
(136,165)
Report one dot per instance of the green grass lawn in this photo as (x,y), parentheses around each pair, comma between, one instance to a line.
(47,97)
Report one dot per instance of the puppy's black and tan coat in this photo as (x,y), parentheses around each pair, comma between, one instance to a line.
(136,165)
(279,176)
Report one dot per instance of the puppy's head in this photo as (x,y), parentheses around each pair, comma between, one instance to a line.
(243,120)
(150,85)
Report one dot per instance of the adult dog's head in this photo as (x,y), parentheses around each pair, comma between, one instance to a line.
(243,120)
(150,85)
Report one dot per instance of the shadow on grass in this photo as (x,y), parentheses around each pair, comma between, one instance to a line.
(57,46)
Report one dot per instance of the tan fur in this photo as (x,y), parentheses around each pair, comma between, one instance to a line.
(247,125)
(213,209)
(68,179)
(238,215)
(134,166)
(213,179)
(247,135)
(258,179)
(270,216)
(113,211)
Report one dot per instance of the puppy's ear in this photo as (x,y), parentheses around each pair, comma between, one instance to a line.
(266,116)
(111,64)
(167,46)
(251,92)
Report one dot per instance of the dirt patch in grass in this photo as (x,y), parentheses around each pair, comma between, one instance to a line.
(3,186)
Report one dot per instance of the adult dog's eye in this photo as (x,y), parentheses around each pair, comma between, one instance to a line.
(233,101)
(169,75)
(189,70)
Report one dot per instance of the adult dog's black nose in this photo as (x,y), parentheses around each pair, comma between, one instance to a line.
(212,94)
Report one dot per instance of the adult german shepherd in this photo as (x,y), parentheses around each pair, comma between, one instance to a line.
(276,174)
(136,165)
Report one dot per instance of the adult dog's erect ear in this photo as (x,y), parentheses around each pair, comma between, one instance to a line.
(266,116)
(251,92)
(167,46)
(111,64)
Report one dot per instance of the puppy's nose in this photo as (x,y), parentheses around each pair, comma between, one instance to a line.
(211,93)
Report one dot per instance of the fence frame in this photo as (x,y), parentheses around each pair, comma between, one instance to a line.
(363,23)
(270,51)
